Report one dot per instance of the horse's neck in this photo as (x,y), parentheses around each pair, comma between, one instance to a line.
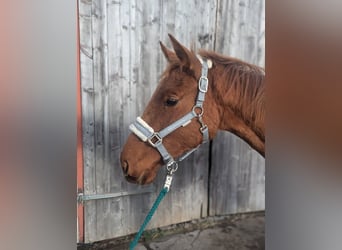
(251,131)
(234,124)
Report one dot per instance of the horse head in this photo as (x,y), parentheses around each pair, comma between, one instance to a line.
(174,97)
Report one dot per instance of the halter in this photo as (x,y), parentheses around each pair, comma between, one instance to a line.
(147,134)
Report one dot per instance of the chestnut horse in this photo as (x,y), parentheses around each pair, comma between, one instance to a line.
(234,101)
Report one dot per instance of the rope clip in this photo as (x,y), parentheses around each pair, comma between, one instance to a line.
(171,167)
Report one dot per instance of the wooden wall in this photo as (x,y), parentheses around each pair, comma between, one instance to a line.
(237,171)
(120,66)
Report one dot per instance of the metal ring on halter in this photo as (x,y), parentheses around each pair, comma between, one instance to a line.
(172,167)
(198,107)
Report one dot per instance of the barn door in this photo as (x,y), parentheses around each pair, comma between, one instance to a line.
(120,64)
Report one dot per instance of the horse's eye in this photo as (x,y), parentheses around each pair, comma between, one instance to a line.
(171,102)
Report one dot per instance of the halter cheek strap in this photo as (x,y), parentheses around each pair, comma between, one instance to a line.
(147,134)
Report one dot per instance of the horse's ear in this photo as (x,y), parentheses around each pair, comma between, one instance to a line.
(183,54)
(169,54)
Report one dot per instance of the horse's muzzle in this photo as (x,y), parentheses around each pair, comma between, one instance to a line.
(133,179)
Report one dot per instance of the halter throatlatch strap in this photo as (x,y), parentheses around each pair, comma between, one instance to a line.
(147,134)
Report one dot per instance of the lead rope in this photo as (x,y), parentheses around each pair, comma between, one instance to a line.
(160,197)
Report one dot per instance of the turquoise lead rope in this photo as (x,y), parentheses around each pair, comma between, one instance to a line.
(161,195)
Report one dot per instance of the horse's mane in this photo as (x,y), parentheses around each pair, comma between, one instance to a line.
(246,82)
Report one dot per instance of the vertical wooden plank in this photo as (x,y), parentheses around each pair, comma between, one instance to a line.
(237,172)
(118,82)
(88,120)
(100,73)
(138,77)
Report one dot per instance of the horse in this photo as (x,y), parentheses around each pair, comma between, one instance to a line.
(234,101)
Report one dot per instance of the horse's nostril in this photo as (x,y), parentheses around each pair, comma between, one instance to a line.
(125,167)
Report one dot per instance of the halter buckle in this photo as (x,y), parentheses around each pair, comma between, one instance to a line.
(203,84)
(155,140)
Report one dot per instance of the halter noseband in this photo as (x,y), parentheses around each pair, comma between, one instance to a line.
(147,134)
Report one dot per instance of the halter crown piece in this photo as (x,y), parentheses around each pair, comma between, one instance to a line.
(147,134)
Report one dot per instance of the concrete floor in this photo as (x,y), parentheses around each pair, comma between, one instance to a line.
(235,232)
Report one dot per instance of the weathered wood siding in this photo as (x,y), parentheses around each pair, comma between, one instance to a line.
(237,179)
(120,66)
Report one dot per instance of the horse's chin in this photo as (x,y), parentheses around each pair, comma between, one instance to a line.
(149,179)
(150,175)
(145,178)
